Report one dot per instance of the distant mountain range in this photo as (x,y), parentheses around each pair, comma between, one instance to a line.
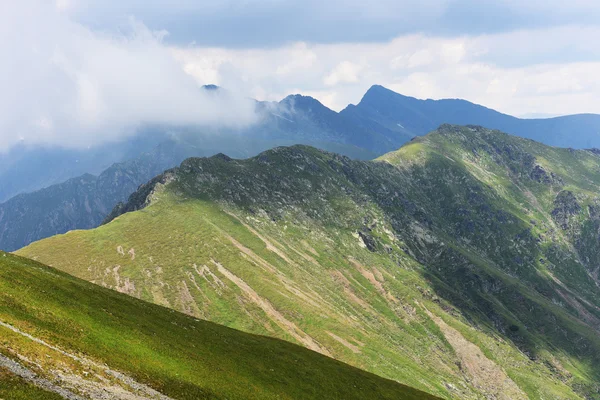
(381,122)
(382,109)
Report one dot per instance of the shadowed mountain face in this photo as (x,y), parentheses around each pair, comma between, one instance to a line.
(383,110)
(64,338)
(464,264)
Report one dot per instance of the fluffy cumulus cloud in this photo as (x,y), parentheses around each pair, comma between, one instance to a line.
(65,84)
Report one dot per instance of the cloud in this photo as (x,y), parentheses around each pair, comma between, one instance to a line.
(270,23)
(71,78)
(496,70)
(64,84)
(344,72)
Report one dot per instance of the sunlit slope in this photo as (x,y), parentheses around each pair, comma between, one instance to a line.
(73,338)
(458,265)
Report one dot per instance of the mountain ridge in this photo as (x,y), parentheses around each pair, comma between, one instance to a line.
(465,241)
(418,117)
(382,121)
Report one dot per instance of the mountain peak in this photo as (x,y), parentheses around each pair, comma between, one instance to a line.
(378,91)
(301,100)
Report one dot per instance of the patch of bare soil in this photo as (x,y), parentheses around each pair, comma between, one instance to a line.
(102,383)
(273,313)
(355,349)
(484,374)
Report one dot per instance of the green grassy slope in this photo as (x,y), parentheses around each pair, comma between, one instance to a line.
(14,387)
(76,335)
(465,264)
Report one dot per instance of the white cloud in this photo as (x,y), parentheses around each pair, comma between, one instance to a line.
(66,84)
(344,72)
(476,68)
(63,84)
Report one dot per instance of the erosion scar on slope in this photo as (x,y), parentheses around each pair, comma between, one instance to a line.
(30,376)
(143,391)
(485,373)
(268,308)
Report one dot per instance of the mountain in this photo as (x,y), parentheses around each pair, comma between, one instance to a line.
(28,168)
(294,120)
(384,110)
(66,338)
(83,202)
(380,123)
(305,120)
(464,264)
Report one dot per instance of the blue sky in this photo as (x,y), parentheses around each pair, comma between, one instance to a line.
(86,70)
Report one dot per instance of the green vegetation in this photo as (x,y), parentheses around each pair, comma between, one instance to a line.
(464,264)
(15,388)
(94,329)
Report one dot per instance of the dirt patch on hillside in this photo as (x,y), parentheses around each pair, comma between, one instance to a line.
(123,285)
(270,310)
(310,248)
(290,286)
(213,280)
(252,255)
(355,349)
(305,256)
(341,278)
(376,281)
(484,374)
(187,301)
(269,244)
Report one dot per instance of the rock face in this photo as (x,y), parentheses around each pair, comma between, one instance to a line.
(565,207)
(451,264)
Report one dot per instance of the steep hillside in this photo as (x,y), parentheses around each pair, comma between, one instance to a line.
(83,202)
(384,110)
(465,264)
(66,338)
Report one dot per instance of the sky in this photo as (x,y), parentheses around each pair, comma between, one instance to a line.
(79,72)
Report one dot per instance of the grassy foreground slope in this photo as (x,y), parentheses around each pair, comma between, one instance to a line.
(84,341)
(14,387)
(465,264)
